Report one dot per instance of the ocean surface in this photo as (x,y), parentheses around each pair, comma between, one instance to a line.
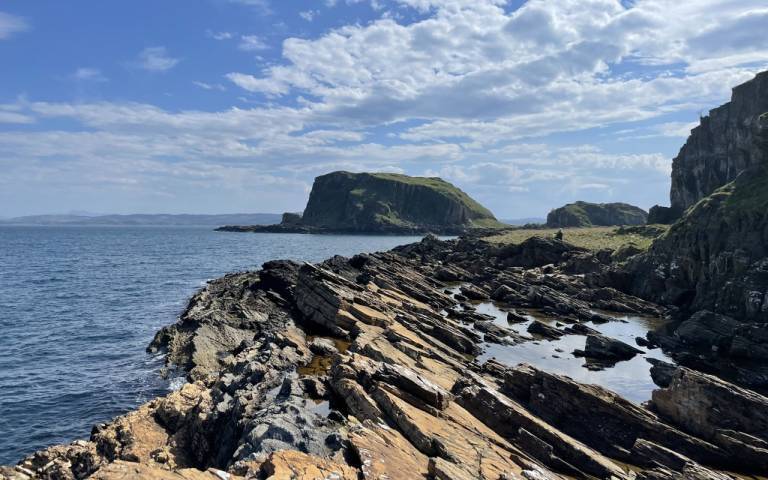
(78,306)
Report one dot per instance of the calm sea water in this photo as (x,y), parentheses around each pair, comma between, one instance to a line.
(78,306)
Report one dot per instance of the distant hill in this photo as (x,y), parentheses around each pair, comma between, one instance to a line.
(585,214)
(147,219)
(389,203)
(524,221)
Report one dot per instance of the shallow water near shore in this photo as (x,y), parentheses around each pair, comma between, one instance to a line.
(631,378)
(78,306)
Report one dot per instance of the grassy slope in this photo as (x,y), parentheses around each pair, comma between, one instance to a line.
(733,204)
(439,185)
(579,210)
(487,219)
(593,238)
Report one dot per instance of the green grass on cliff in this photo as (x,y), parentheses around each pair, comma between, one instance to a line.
(592,238)
(751,195)
(451,191)
(736,203)
(586,214)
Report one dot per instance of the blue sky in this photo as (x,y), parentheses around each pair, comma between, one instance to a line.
(219,106)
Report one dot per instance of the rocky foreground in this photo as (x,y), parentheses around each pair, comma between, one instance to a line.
(365,368)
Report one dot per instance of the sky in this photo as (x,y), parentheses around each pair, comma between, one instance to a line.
(223,106)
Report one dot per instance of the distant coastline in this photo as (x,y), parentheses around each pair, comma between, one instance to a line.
(144,219)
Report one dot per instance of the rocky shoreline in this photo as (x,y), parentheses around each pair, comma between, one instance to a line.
(367,368)
(446,230)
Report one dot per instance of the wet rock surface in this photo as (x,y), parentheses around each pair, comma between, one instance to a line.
(369,368)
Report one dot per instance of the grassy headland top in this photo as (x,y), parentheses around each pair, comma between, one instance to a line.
(389,202)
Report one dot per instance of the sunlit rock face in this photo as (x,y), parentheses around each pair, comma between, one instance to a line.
(721,146)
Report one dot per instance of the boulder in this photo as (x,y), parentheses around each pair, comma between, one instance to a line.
(704,404)
(605,348)
(540,328)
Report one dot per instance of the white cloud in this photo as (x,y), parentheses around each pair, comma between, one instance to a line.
(156,59)
(669,129)
(89,75)
(252,43)
(543,68)
(210,86)
(11,24)
(219,35)
(262,5)
(254,84)
(467,89)
(13,117)
(309,15)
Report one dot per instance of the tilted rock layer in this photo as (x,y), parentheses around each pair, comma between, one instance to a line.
(363,368)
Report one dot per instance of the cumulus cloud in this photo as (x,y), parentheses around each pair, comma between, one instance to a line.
(252,43)
(156,59)
(472,90)
(475,61)
(11,24)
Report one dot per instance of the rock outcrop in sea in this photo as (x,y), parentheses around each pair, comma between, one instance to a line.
(586,214)
(344,202)
(365,368)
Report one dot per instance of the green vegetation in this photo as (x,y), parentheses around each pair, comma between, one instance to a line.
(388,202)
(593,238)
(585,214)
(741,202)
(750,195)
(439,185)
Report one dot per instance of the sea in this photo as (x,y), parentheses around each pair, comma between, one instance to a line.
(79,305)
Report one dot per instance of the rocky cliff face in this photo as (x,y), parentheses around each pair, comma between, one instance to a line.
(378,201)
(713,265)
(721,146)
(388,203)
(585,214)
(713,257)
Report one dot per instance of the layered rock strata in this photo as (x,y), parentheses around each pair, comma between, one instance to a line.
(364,368)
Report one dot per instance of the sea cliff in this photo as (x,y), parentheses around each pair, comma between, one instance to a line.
(383,203)
(586,214)
(720,147)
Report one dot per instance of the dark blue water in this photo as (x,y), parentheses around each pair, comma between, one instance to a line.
(78,306)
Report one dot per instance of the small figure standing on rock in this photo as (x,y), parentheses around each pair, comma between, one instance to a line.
(559,235)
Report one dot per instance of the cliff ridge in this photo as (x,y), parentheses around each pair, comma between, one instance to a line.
(586,214)
(345,202)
